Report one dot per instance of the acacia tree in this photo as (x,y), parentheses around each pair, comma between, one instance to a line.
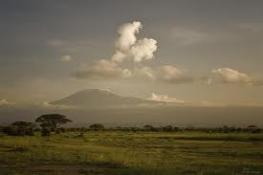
(50,122)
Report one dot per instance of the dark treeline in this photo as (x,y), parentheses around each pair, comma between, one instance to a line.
(52,124)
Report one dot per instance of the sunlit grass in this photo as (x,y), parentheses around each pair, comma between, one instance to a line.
(141,153)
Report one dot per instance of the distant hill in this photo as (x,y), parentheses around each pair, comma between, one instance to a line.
(97,98)
(102,106)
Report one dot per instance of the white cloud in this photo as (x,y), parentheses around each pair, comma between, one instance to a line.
(118,57)
(172,74)
(169,72)
(103,69)
(66,58)
(228,75)
(144,49)
(232,76)
(127,36)
(165,98)
(128,46)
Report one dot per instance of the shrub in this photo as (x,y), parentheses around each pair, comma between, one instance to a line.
(96,127)
(19,128)
(168,128)
(45,131)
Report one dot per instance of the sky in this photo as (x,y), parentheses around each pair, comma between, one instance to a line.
(206,52)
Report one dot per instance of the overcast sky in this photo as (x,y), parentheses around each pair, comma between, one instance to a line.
(204,52)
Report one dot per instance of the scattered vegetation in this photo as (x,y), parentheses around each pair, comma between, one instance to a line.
(147,150)
(129,153)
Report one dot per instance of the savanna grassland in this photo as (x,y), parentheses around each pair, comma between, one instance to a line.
(132,153)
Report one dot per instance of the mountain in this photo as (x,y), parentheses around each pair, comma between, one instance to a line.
(101,106)
(97,98)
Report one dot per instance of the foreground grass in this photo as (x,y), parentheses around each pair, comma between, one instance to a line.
(130,153)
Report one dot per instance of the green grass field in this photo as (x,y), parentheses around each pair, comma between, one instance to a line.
(130,153)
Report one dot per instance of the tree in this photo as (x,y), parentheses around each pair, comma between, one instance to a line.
(176,128)
(149,128)
(20,128)
(253,129)
(50,122)
(168,128)
(96,127)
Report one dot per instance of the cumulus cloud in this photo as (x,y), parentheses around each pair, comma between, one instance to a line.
(128,46)
(103,69)
(172,74)
(228,75)
(165,98)
(118,56)
(232,76)
(144,49)
(66,58)
(127,35)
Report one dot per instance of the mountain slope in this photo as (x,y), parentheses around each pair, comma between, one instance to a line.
(99,98)
(100,106)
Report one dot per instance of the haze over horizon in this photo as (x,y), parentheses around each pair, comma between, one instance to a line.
(205,53)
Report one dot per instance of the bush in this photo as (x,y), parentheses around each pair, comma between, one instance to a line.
(149,128)
(96,127)
(168,128)
(45,132)
(19,128)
